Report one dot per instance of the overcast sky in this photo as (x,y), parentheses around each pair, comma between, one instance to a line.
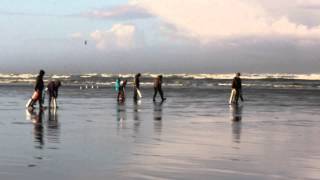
(196,36)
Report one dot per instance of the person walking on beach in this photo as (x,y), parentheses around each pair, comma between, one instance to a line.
(136,88)
(39,86)
(53,88)
(236,92)
(122,91)
(158,88)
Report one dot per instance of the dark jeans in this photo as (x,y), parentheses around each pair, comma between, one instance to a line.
(238,95)
(156,90)
(135,93)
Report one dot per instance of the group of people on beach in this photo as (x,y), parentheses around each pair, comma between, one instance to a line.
(120,86)
(40,91)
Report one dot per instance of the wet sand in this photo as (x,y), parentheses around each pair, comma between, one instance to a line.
(195,134)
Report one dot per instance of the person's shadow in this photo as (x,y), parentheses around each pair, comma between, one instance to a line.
(236,113)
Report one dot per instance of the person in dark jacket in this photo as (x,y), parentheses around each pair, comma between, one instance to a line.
(39,87)
(136,88)
(158,88)
(53,88)
(237,86)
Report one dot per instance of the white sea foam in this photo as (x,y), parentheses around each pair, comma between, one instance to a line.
(224,84)
(22,76)
(105,83)
(287,86)
(89,75)
(174,84)
(282,76)
(244,76)
(146,83)
(60,76)
(107,75)
(126,75)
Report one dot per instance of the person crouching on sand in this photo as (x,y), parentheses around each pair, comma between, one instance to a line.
(39,87)
(53,88)
(236,92)
(158,88)
(122,91)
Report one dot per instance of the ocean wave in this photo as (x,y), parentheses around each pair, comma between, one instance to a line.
(177,80)
(228,76)
(244,76)
(89,75)
(288,86)
(224,84)
(15,76)
(60,76)
(106,75)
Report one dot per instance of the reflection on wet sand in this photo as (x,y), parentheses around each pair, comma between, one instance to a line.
(236,113)
(157,116)
(136,116)
(36,119)
(53,126)
(121,115)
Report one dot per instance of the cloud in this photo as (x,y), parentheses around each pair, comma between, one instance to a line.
(207,20)
(76,35)
(120,12)
(120,36)
(309,4)
(11,13)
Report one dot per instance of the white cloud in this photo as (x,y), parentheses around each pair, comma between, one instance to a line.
(309,4)
(76,35)
(120,36)
(212,19)
(119,12)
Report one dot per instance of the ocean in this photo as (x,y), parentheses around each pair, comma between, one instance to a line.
(194,134)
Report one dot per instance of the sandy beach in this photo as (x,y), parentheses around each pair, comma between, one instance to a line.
(195,134)
(195,51)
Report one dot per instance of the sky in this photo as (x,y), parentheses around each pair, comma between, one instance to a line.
(160,36)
